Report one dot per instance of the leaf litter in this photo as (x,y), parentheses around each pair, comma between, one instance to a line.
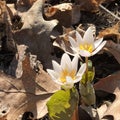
(105,15)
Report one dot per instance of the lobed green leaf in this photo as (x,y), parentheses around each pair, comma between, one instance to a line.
(62,104)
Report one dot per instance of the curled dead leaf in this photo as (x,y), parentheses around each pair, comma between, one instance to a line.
(63,43)
(111,84)
(111,33)
(114,49)
(66,13)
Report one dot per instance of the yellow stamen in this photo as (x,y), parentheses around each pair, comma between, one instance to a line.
(88,47)
(65,73)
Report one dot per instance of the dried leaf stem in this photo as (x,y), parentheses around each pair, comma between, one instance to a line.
(108,11)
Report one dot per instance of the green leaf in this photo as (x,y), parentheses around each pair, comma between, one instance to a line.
(62,104)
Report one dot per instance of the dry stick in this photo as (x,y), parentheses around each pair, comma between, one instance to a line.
(101,6)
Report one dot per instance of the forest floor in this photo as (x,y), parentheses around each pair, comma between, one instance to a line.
(105,63)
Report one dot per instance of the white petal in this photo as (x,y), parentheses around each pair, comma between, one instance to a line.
(88,36)
(56,66)
(56,44)
(77,79)
(79,38)
(73,42)
(99,48)
(81,70)
(84,53)
(74,54)
(75,63)
(59,82)
(62,46)
(53,74)
(98,42)
(66,62)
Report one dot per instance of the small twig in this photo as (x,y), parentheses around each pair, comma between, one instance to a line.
(101,6)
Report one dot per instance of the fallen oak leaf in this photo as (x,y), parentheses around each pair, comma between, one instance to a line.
(18,70)
(26,2)
(113,36)
(4,110)
(35,33)
(15,67)
(6,38)
(59,12)
(111,33)
(63,43)
(29,93)
(111,84)
(101,110)
(114,49)
(113,45)
(66,13)
(115,54)
(90,5)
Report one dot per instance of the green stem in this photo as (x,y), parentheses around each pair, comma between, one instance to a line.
(86,72)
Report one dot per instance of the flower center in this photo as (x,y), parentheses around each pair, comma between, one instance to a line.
(88,47)
(66,73)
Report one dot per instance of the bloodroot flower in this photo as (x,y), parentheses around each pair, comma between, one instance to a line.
(86,46)
(66,73)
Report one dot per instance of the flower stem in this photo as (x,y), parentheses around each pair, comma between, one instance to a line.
(75,114)
(86,72)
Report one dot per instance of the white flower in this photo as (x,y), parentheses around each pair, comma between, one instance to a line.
(66,73)
(86,46)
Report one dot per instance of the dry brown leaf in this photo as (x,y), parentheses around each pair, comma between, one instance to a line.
(90,5)
(111,84)
(15,67)
(63,43)
(62,40)
(29,93)
(66,13)
(35,33)
(26,2)
(111,33)
(6,39)
(61,12)
(114,49)
(115,53)
(113,43)
(101,110)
